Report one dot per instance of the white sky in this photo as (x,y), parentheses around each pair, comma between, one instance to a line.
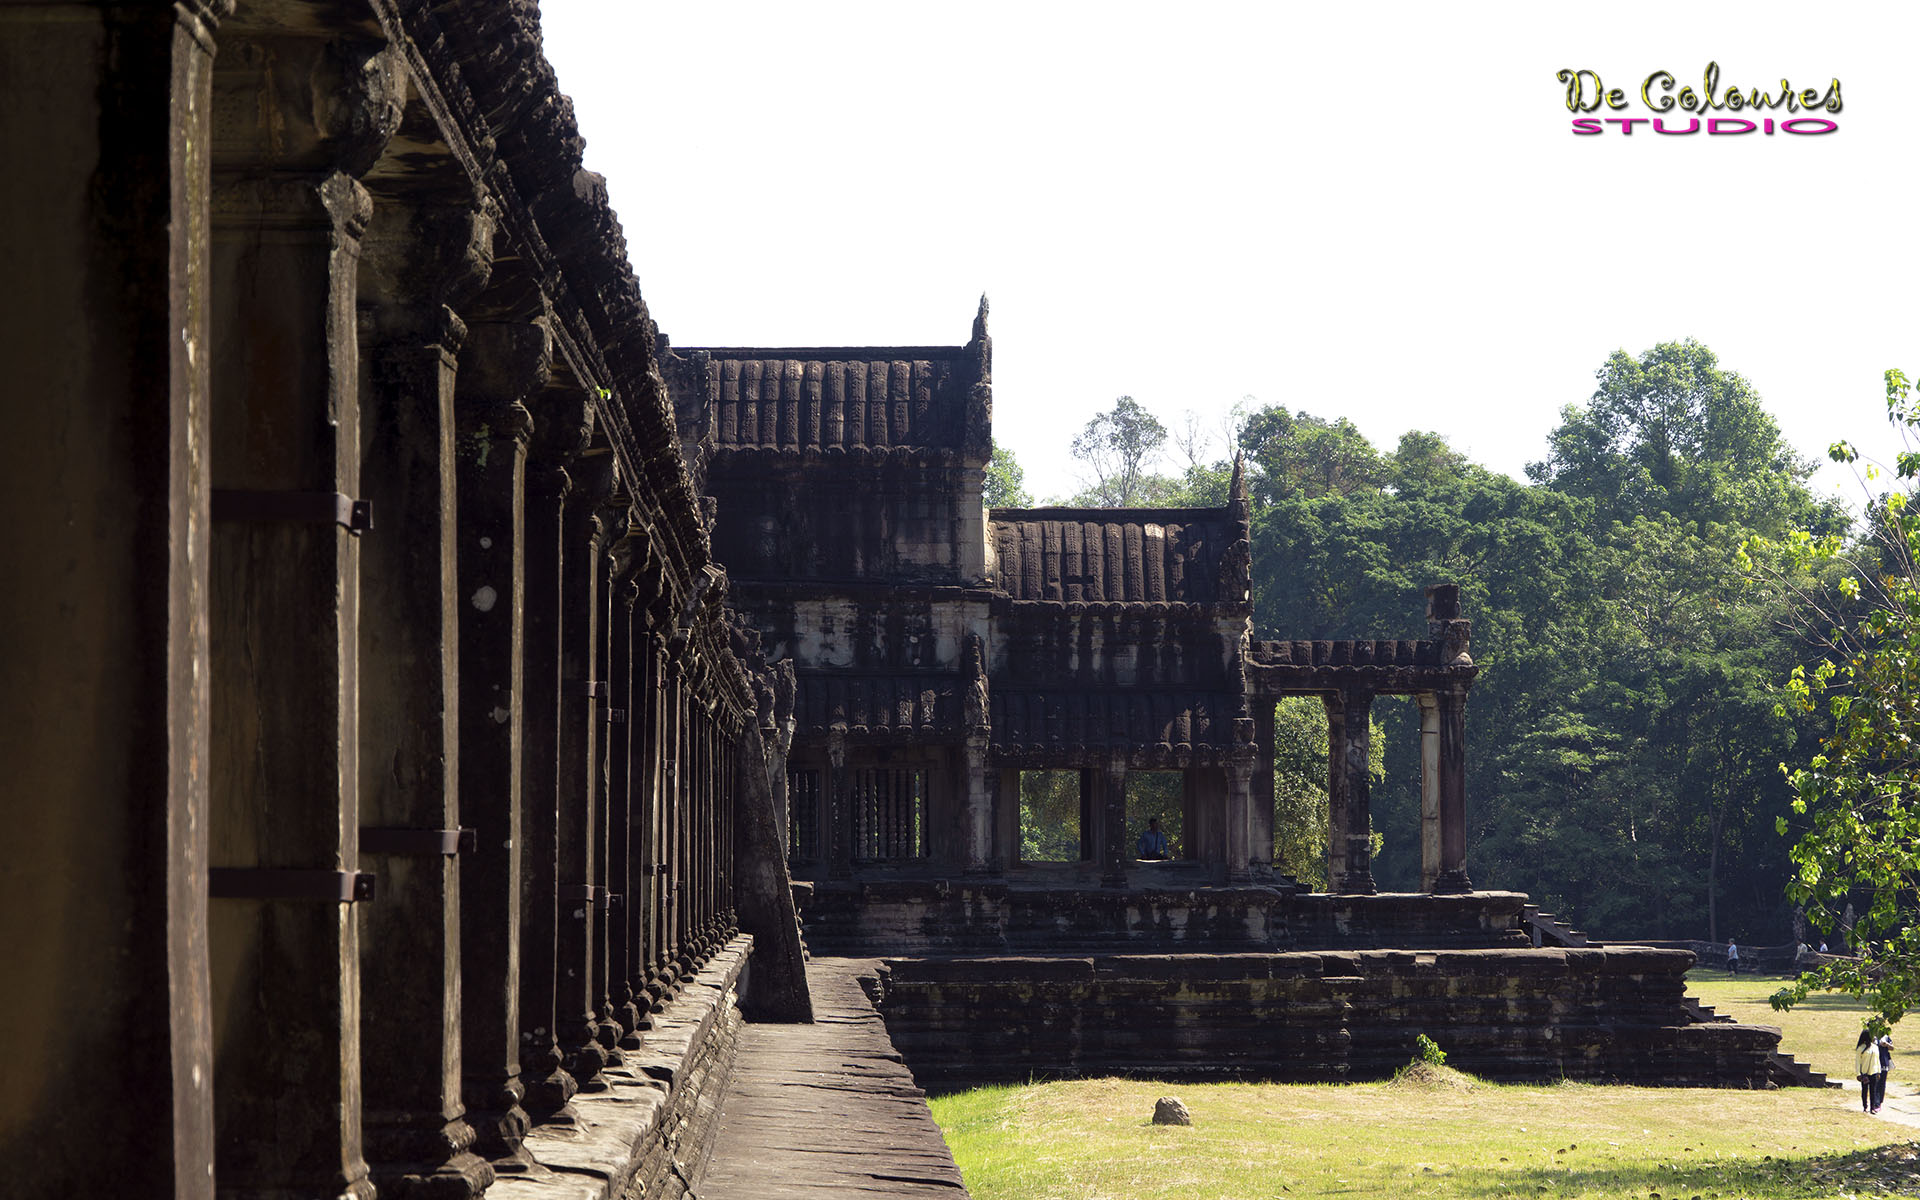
(1377,212)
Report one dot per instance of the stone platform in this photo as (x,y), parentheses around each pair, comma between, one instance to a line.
(965,916)
(1613,1014)
(827,1109)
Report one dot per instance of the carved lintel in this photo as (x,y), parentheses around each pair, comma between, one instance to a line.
(420,262)
(285,102)
(331,202)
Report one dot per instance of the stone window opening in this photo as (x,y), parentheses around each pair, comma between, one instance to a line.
(1052,812)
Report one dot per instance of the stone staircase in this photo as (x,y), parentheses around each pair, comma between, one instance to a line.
(1785,1070)
(1548,930)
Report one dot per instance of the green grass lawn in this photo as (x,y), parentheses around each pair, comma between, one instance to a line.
(1093,1139)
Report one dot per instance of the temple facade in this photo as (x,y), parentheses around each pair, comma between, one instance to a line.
(942,648)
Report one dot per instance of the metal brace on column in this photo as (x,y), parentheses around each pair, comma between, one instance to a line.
(315,508)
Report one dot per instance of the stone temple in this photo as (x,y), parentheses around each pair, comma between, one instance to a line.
(457,741)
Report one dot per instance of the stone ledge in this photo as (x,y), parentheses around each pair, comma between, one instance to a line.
(599,1155)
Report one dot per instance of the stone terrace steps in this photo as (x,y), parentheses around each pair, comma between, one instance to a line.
(1548,930)
(1785,1070)
(827,1110)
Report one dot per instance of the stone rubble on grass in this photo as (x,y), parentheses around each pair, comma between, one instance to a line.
(1169,1111)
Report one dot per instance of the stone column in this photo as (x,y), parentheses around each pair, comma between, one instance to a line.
(976,809)
(105,475)
(418,258)
(1451,712)
(839,809)
(561,426)
(1350,822)
(288,217)
(1091,805)
(672,770)
(1006,819)
(626,681)
(504,364)
(1112,791)
(582,530)
(1260,832)
(1429,790)
(1239,804)
(660,697)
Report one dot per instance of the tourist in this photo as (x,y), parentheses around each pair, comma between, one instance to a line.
(1885,1048)
(1153,843)
(1733,958)
(1866,1068)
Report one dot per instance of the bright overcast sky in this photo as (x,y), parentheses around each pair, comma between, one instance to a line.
(1378,212)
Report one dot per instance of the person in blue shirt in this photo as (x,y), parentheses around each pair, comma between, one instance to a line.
(1153,843)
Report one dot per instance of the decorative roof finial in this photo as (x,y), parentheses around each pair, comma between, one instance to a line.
(1237,489)
(980,319)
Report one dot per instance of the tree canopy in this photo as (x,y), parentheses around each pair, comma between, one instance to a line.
(1118,447)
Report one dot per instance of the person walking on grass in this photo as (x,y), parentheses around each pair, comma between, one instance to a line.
(1866,1068)
(1733,958)
(1884,1046)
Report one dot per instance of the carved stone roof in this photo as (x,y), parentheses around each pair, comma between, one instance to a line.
(1129,555)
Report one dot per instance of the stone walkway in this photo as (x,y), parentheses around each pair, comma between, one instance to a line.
(827,1109)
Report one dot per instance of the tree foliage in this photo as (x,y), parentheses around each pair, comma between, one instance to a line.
(1859,794)
(1118,447)
(1006,483)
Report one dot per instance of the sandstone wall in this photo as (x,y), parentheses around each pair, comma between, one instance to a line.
(1612,1015)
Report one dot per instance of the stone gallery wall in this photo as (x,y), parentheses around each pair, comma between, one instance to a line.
(1600,1015)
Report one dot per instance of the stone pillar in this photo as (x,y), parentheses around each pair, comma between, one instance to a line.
(672,822)
(839,811)
(1091,804)
(1006,819)
(1112,783)
(1429,790)
(1260,831)
(581,699)
(504,363)
(655,792)
(1350,823)
(1239,805)
(560,431)
(418,258)
(976,805)
(1451,711)
(288,217)
(104,472)
(626,682)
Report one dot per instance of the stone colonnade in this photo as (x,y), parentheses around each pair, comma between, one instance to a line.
(1443,790)
(373,687)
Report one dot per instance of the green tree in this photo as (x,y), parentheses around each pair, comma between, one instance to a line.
(1119,447)
(1006,483)
(1302,455)
(1670,431)
(1859,795)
